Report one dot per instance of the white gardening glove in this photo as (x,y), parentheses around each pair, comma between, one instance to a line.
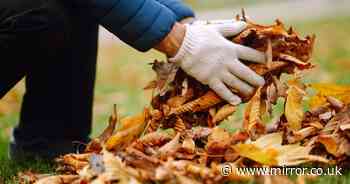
(213,60)
(224,26)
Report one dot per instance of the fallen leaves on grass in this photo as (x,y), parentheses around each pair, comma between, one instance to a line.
(178,139)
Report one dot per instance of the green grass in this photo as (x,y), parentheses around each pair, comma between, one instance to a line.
(122,72)
(9,169)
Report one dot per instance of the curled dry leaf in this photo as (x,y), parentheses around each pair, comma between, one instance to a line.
(199,132)
(96,144)
(140,159)
(113,119)
(74,162)
(329,142)
(262,69)
(115,170)
(269,56)
(133,121)
(177,101)
(154,122)
(335,103)
(188,145)
(208,100)
(170,147)
(261,153)
(280,87)
(180,126)
(252,122)
(165,74)
(301,134)
(223,113)
(268,150)
(293,107)
(290,58)
(271,93)
(59,179)
(325,116)
(218,142)
(151,140)
(129,129)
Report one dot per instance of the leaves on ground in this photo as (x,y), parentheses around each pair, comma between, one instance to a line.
(178,140)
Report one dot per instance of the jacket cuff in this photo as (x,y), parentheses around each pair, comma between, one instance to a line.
(179,8)
(142,24)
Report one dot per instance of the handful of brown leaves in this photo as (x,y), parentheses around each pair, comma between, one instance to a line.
(194,149)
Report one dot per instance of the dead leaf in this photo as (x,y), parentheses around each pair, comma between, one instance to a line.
(130,128)
(340,92)
(59,179)
(165,74)
(204,102)
(224,112)
(268,150)
(180,126)
(171,147)
(293,107)
(252,122)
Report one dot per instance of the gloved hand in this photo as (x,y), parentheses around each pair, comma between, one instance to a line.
(220,25)
(213,60)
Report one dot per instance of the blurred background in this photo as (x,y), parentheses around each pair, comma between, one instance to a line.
(123,72)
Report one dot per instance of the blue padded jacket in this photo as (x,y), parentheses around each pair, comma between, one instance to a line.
(140,23)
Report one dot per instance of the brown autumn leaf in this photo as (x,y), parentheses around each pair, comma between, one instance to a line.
(188,145)
(252,122)
(180,126)
(170,148)
(223,113)
(268,150)
(95,145)
(72,163)
(218,142)
(165,75)
(301,134)
(202,103)
(329,142)
(144,148)
(58,179)
(293,107)
(130,128)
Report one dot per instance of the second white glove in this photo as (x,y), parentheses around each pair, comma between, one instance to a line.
(213,60)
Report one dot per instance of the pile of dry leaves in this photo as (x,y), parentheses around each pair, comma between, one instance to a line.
(178,140)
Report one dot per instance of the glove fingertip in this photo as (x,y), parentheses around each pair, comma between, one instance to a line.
(241,25)
(232,29)
(260,57)
(261,81)
(235,100)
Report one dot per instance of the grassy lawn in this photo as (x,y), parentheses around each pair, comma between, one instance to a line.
(122,73)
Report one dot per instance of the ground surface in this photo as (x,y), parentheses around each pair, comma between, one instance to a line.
(122,72)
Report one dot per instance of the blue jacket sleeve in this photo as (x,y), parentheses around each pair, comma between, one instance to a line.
(179,8)
(140,23)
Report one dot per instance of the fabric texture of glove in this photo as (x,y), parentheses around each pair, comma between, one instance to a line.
(208,56)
